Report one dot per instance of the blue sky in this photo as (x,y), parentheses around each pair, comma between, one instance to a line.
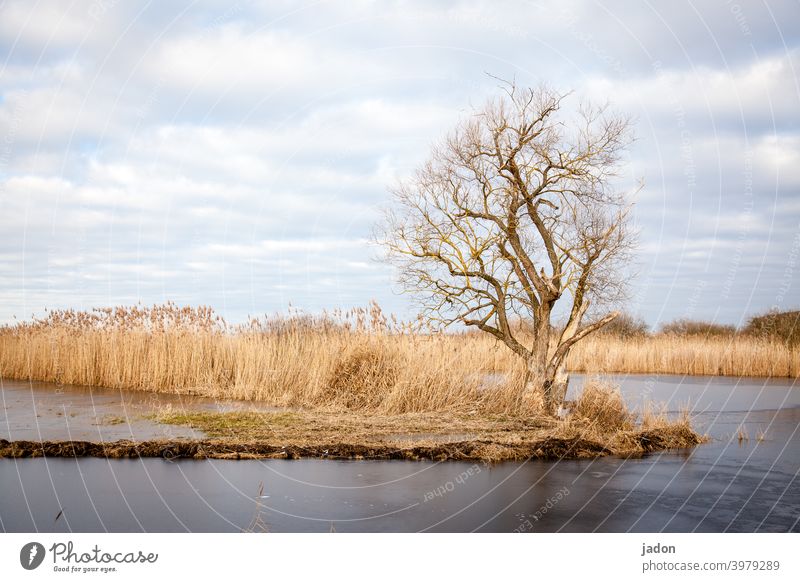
(239,156)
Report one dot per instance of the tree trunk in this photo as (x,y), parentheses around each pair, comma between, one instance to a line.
(559,386)
(542,372)
(549,376)
(535,373)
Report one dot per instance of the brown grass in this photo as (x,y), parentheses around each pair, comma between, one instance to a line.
(358,360)
(360,435)
(601,425)
(602,404)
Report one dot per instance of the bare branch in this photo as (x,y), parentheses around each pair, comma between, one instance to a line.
(516,210)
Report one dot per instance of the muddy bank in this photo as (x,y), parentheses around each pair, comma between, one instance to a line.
(550,448)
(464,451)
(40,420)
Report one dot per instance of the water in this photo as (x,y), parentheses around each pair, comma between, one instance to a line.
(725,485)
(43,411)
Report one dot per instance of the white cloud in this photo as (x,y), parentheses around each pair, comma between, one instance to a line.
(765,91)
(43,24)
(237,156)
(234,59)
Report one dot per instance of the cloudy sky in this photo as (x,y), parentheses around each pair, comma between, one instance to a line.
(239,156)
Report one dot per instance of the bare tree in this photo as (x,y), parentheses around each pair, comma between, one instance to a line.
(514,211)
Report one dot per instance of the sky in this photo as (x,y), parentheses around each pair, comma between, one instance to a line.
(239,154)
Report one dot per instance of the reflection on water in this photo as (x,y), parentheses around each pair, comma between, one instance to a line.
(726,485)
(43,411)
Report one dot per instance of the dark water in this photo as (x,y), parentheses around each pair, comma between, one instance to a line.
(726,485)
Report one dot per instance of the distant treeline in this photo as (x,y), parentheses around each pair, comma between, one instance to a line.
(782,326)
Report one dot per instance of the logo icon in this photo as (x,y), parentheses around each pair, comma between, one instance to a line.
(31,555)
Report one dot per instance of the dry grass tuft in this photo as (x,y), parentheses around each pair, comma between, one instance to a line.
(362,375)
(602,404)
(742,435)
(601,416)
(655,416)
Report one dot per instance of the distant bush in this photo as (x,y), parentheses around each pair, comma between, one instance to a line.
(625,326)
(779,325)
(688,327)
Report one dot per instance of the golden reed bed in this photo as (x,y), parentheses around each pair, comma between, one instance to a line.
(356,360)
(660,354)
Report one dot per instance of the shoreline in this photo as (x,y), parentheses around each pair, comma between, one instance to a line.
(229,450)
(115,425)
(549,448)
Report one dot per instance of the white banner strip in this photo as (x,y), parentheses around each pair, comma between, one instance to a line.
(370,557)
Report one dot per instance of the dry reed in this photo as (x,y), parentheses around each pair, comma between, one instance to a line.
(737,355)
(602,404)
(742,435)
(357,360)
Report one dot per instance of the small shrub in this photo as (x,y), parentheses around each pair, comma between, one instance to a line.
(363,375)
(625,326)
